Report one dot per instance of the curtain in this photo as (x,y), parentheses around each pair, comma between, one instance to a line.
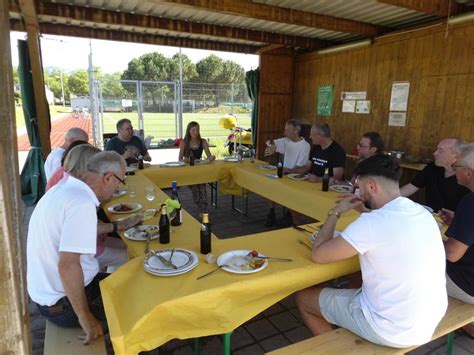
(251,80)
(33,179)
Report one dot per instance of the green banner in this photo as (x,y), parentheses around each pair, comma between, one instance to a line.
(324,100)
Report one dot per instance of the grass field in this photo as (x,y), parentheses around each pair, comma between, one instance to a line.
(162,125)
(53,110)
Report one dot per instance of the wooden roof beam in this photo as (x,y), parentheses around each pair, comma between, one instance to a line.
(246,8)
(433,7)
(97,16)
(136,37)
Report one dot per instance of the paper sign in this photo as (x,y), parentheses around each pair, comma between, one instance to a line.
(397,119)
(399,98)
(126,103)
(362,106)
(353,95)
(348,105)
(325,97)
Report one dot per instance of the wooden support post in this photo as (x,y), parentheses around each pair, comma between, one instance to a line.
(14,320)
(34,49)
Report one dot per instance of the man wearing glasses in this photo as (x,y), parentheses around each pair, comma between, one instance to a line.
(370,144)
(460,245)
(439,179)
(62,272)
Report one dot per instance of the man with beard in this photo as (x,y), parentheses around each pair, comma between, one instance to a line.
(403,294)
(370,144)
(439,179)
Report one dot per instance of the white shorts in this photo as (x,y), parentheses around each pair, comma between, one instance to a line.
(342,308)
(456,292)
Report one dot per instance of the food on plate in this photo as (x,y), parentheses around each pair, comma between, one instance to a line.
(123,207)
(299,176)
(247,262)
(141,233)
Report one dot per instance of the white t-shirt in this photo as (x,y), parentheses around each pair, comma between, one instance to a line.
(65,220)
(403,268)
(53,161)
(296,153)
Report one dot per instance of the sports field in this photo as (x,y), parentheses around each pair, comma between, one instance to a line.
(162,125)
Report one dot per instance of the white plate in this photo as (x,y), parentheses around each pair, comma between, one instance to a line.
(138,233)
(134,207)
(313,236)
(428,208)
(174,164)
(267,167)
(231,159)
(237,262)
(341,188)
(184,260)
(201,161)
(297,176)
(119,193)
(130,169)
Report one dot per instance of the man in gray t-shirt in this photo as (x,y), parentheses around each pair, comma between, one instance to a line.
(126,144)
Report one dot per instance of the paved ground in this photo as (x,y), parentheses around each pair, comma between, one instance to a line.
(278,326)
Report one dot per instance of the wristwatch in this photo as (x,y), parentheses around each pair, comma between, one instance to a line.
(115,225)
(333,212)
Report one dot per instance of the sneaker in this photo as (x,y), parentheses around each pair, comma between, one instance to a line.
(271,219)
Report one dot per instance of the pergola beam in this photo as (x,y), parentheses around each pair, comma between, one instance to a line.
(30,19)
(99,16)
(136,37)
(433,7)
(249,9)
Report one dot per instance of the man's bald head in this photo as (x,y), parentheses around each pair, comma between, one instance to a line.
(74,134)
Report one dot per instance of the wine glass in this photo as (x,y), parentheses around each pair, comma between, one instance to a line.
(150,193)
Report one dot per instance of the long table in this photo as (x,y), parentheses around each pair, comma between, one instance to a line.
(145,311)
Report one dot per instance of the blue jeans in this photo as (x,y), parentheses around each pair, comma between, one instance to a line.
(62,314)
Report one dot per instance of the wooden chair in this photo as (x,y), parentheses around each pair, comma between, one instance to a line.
(342,341)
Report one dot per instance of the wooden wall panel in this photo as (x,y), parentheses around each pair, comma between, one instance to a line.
(275,94)
(440,70)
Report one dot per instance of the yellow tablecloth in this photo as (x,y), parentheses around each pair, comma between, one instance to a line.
(145,311)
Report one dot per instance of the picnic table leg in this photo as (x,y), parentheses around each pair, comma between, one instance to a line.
(197,346)
(450,343)
(227,343)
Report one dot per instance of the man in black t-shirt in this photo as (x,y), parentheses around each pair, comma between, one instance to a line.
(439,179)
(460,245)
(126,144)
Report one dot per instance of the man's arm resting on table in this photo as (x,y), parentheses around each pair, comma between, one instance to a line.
(72,277)
(408,190)
(455,249)
(299,169)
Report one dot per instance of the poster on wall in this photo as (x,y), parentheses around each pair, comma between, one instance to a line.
(348,105)
(353,95)
(363,106)
(324,100)
(397,119)
(399,98)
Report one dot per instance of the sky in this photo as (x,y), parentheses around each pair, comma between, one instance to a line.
(70,53)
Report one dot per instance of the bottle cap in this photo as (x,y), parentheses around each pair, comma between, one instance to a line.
(205,218)
(163,209)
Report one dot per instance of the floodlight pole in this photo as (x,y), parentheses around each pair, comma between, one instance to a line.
(180,110)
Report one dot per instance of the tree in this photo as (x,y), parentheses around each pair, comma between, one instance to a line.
(52,79)
(78,83)
(232,73)
(150,66)
(210,69)
(16,79)
(112,87)
(189,68)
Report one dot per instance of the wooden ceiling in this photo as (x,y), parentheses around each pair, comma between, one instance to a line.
(242,26)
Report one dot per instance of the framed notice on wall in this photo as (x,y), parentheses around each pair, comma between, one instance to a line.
(324,100)
(399,98)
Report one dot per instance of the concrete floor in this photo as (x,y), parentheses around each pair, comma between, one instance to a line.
(278,326)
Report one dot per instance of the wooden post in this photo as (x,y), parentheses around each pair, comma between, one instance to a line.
(14,320)
(34,49)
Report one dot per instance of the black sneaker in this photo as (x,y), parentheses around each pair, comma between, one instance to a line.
(271,219)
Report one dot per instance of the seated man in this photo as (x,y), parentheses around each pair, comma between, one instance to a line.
(325,153)
(295,152)
(439,179)
(403,295)
(53,161)
(370,144)
(62,273)
(126,144)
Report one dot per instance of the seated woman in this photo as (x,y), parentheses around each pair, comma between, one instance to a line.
(193,145)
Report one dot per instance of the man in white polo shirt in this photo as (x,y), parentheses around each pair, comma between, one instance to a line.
(62,272)
(295,151)
(403,294)
(53,161)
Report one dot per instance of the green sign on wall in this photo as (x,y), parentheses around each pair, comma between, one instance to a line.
(324,100)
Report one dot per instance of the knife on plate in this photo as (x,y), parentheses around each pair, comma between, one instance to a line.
(166,262)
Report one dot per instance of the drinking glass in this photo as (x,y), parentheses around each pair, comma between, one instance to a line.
(150,193)
(132,190)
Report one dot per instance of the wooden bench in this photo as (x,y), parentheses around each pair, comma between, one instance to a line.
(342,341)
(61,341)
